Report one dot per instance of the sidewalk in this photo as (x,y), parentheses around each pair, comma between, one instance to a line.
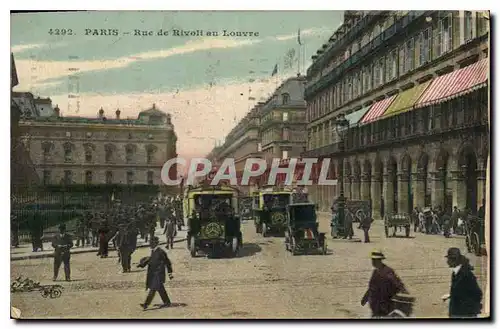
(25,251)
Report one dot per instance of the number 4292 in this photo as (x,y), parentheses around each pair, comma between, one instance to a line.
(61,32)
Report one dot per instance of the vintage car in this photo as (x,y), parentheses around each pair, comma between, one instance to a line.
(270,212)
(401,220)
(302,233)
(474,235)
(213,220)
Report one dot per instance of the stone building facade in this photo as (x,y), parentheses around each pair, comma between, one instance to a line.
(272,129)
(414,87)
(100,150)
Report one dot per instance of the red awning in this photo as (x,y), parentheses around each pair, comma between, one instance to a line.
(378,109)
(456,83)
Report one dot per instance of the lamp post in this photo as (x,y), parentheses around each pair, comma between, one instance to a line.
(341,127)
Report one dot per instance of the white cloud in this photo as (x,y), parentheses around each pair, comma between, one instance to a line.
(307,32)
(200,116)
(33,72)
(21,48)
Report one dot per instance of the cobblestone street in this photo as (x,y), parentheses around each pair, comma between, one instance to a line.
(265,281)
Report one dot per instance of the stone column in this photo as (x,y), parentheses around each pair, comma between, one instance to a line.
(376,197)
(459,189)
(419,188)
(437,191)
(388,193)
(365,186)
(481,183)
(403,180)
(356,188)
(347,187)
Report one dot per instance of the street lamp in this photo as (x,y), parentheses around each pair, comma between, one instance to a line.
(341,127)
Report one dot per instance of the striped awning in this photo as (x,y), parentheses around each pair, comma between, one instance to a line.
(378,109)
(404,102)
(354,117)
(456,83)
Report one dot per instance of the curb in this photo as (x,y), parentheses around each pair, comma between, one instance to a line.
(51,255)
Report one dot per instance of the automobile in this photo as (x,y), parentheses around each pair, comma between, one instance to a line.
(302,235)
(399,220)
(270,211)
(214,224)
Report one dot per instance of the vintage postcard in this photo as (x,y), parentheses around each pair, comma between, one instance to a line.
(250,164)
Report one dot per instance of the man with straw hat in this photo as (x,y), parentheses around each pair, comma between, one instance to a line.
(465,294)
(383,286)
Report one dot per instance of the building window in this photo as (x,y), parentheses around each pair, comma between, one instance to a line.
(349,89)
(88,177)
(468,33)
(150,151)
(129,153)
(88,155)
(409,55)
(284,154)
(379,73)
(392,65)
(68,177)
(401,60)
(366,79)
(285,98)
(150,178)
(443,41)
(46,150)
(68,152)
(108,153)
(46,177)
(423,55)
(130,178)
(285,134)
(109,177)
(285,116)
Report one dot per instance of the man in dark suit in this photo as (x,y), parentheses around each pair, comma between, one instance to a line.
(383,286)
(465,294)
(155,279)
(127,243)
(365,224)
(62,244)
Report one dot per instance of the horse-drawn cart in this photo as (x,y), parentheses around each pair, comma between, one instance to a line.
(397,221)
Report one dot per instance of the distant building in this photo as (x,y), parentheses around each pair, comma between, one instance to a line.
(102,149)
(275,128)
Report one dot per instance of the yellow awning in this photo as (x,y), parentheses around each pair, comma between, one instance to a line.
(405,101)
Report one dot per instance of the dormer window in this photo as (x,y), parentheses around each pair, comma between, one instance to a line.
(285,98)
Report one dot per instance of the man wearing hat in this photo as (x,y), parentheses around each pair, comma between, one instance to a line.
(383,286)
(155,279)
(62,243)
(465,294)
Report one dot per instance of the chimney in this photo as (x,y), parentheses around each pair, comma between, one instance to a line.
(101,113)
(118,114)
(57,111)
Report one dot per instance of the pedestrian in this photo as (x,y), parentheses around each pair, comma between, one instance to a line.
(94,229)
(348,230)
(415,219)
(80,232)
(127,245)
(421,221)
(383,286)
(481,212)
(103,239)
(465,294)
(36,230)
(365,225)
(446,219)
(155,279)
(169,232)
(14,228)
(334,223)
(62,243)
(454,219)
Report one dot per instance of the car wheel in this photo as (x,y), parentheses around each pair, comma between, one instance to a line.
(192,246)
